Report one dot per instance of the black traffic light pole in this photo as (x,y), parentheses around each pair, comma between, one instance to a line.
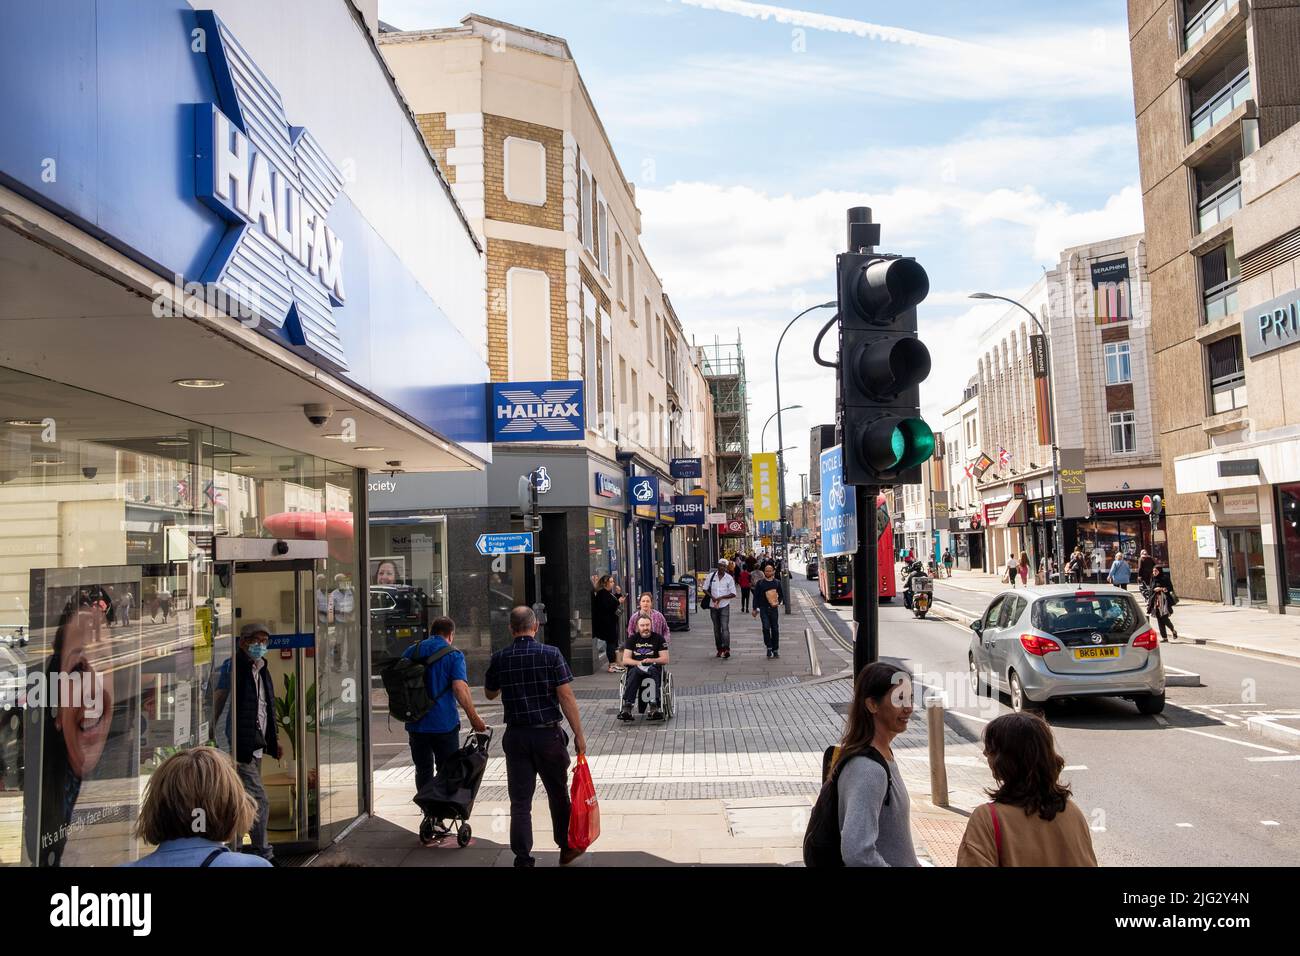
(866,571)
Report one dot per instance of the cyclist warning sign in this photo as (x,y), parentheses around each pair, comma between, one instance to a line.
(839,514)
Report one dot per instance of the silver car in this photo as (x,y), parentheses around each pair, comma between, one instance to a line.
(1065,640)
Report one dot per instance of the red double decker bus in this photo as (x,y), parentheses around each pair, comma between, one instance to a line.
(835,575)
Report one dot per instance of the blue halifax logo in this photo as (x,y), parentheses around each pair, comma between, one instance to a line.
(537,411)
(275,186)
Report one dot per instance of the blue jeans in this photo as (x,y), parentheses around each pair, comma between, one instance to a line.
(771,618)
(429,751)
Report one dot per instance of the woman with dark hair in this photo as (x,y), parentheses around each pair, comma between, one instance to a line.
(874,809)
(1031,820)
(1161,600)
(605,605)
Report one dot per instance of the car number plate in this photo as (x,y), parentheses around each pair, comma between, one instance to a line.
(1094,653)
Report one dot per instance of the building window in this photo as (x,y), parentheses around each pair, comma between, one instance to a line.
(528,324)
(1199,16)
(1227,374)
(585,214)
(1123,432)
(1119,366)
(1218,187)
(1218,92)
(525,179)
(1220,272)
(607,373)
(589,343)
(649,332)
(618,270)
(602,235)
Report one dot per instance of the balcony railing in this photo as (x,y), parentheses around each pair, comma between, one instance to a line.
(1199,25)
(1219,205)
(1223,103)
(1228,393)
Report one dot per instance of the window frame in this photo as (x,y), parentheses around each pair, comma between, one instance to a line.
(1122,424)
(1119,356)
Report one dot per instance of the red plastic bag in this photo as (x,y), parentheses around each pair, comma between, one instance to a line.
(584,817)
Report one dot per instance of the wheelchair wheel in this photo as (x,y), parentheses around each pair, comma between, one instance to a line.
(668,705)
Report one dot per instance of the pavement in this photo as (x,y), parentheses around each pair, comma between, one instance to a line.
(1233,628)
(728,781)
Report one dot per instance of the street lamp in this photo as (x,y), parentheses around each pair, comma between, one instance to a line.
(1057,501)
(763,443)
(780,440)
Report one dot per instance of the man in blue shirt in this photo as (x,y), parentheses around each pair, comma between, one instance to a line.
(436,735)
(533,681)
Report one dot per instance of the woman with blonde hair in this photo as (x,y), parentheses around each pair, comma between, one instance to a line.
(194,805)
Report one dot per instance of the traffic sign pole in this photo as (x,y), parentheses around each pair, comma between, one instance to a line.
(866,571)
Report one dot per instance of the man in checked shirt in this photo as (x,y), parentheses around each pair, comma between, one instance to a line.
(533,682)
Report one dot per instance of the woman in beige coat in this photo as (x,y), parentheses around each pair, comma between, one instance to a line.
(1031,820)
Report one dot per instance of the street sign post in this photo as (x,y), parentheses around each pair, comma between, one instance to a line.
(511,542)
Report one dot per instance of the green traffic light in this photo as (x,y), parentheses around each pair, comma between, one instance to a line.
(894,444)
(913,442)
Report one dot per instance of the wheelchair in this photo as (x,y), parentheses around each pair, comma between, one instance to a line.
(666,703)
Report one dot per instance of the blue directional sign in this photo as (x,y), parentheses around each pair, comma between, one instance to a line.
(537,411)
(689,509)
(838,507)
(513,542)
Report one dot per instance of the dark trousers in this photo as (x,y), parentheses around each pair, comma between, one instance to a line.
(771,618)
(611,648)
(429,751)
(1163,622)
(532,752)
(636,677)
(721,627)
(744,599)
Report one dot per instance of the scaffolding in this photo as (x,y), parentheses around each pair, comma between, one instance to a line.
(723,365)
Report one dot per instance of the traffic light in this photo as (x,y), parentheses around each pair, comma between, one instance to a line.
(882,364)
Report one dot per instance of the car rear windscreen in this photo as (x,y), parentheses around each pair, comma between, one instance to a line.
(1107,613)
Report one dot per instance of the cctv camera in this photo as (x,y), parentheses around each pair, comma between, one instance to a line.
(90,471)
(393,464)
(318,415)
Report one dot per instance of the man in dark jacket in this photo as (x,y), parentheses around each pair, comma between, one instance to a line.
(254,731)
(768,598)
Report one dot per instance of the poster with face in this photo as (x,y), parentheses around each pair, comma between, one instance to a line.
(83,717)
(390,569)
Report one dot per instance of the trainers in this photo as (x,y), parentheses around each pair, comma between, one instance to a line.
(776,654)
(569,854)
(719,654)
(625,713)
(655,714)
(769,653)
(426,832)
(726,652)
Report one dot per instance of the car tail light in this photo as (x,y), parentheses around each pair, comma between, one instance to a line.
(1147,640)
(1085,594)
(1038,646)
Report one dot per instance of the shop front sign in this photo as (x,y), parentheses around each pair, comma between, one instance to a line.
(1119,505)
(608,487)
(536,411)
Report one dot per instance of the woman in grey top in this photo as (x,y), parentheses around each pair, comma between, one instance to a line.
(874,810)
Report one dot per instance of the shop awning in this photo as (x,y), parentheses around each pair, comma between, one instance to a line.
(1013,513)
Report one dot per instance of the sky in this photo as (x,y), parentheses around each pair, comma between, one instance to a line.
(986,137)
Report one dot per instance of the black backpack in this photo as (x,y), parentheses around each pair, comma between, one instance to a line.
(406,681)
(821,841)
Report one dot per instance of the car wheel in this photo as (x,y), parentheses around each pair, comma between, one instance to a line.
(976,684)
(1019,702)
(1150,703)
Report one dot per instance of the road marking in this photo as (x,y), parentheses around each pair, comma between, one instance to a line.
(1290,757)
(1185,825)
(1270,823)
(1162,720)
(1077,766)
(982,720)
(1240,743)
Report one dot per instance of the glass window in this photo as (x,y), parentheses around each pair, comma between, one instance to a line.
(589,347)
(1288,510)
(1227,374)
(1123,432)
(1220,272)
(1076,614)
(1119,369)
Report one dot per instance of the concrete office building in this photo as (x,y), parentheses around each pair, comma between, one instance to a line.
(1217,95)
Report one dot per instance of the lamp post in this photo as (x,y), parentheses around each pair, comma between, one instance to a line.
(763,443)
(780,441)
(1057,499)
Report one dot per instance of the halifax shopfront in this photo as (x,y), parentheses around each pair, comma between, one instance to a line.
(196,300)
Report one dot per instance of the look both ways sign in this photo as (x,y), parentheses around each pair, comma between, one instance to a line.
(839,506)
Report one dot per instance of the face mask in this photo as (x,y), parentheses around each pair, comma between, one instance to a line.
(257,651)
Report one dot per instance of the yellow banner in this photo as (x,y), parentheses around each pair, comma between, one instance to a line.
(767,507)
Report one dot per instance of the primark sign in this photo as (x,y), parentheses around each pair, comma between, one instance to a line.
(1273,325)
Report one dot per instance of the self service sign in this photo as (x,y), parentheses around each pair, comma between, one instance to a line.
(537,411)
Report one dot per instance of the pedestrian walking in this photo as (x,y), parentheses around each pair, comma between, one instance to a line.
(533,681)
(1146,568)
(1030,819)
(659,623)
(435,737)
(1010,571)
(193,806)
(1076,566)
(605,609)
(769,595)
(1023,567)
(645,654)
(874,808)
(1120,573)
(721,588)
(255,733)
(126,602)
(947,563)
(746,582)
(1161,600)
(343,603)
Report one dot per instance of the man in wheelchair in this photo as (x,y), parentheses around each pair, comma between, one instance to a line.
(644,655)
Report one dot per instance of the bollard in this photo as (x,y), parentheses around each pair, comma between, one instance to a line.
(813,662)
(938,771)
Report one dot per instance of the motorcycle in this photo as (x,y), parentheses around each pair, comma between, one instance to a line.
(922,595)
